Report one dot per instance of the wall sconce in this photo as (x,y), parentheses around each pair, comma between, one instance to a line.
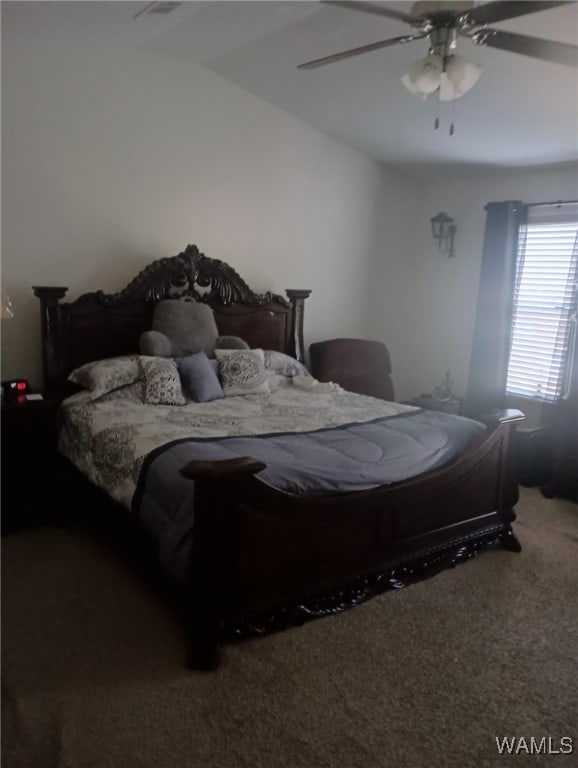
(443,230)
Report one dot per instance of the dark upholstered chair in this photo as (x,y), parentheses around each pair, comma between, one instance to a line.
(358,365)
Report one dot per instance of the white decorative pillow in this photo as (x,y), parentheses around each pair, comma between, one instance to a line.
(162,383)
(103,376)
(242,371)
(281,369)
(285,365)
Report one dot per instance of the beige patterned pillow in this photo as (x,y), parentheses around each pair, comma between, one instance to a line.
(162,383)
(103,376)
(242,371)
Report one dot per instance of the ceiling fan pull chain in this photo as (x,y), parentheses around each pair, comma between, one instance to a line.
(452,128)
(437,120)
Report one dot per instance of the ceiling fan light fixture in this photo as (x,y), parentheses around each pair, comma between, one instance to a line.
(452,77)
(459,77)
(412,89)
(424,75)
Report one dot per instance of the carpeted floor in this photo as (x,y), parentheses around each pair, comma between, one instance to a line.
(429,675)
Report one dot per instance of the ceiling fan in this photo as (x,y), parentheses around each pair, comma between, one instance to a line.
(442,23)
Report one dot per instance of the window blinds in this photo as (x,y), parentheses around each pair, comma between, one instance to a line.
(544,321)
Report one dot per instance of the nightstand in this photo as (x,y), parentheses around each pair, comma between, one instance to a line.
(454,405)
(29,460)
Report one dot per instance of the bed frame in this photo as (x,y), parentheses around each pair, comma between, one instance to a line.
(263,559)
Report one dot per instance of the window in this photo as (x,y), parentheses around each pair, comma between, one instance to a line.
(544,303)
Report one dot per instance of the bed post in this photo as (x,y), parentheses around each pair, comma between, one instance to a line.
(51,329)
(213,559)
(297,298)
(507,418)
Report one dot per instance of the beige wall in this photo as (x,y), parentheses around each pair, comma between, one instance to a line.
(111,161)
(425,302)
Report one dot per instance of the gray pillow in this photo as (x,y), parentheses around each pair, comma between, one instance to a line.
(199,379)
(231,342)
(189,325)
(155,344)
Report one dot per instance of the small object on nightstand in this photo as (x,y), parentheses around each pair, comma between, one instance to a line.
(431,403)
(14,388)
(444,391)
(441,399)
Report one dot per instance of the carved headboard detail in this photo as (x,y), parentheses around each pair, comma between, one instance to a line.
(99,325)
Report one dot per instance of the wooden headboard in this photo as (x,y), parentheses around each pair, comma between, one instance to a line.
(99,325)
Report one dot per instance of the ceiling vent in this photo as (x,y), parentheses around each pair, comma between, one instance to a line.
(160,7)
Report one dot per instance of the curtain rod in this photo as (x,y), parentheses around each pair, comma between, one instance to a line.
(554,202)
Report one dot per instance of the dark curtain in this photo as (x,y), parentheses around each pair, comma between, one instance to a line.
(567,331)
(494,312)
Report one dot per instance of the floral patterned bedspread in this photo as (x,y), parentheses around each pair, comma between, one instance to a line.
(109,438)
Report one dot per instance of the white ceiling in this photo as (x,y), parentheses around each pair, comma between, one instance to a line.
(523,112)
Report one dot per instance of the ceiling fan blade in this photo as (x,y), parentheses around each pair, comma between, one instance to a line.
(376,10)
(357,51)
(501,10)
(537,47)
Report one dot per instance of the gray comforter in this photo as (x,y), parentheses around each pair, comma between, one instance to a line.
(348,458)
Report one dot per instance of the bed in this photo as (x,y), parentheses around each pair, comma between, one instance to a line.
(271,507)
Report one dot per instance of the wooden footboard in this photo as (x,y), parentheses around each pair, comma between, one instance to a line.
(260,556)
